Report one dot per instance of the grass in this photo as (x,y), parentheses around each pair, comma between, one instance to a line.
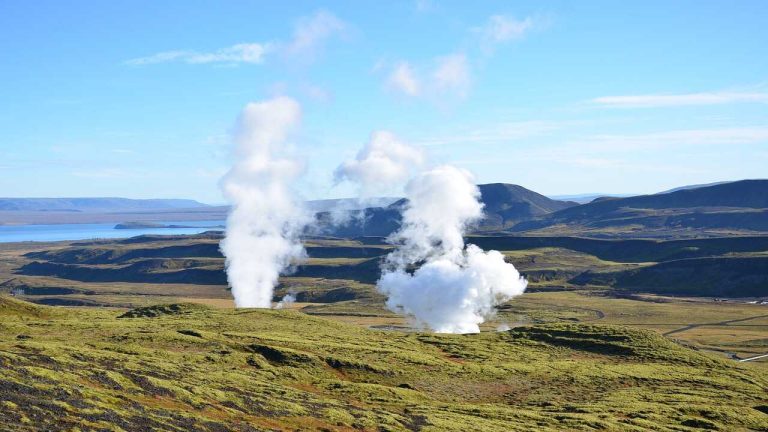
(190,367)
(577,357)
(549,267)
(554,257)
(712,329)
(551,297)
(332,262)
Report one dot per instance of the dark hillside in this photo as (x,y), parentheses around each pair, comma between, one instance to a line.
(711,277)
(721,209)
(512,202)
(504,205)
(742,194)
(629,250)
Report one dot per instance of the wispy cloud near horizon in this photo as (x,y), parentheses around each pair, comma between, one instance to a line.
(309,34)
(503,28)
(686,99)
(252,53)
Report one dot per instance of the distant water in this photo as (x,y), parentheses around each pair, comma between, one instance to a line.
(44,233)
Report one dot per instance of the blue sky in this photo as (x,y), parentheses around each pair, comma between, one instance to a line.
(137,99)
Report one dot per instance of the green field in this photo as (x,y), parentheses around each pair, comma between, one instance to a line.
(578,356)
(337,282)
(189,367)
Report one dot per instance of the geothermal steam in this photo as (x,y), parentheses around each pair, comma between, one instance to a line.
(456,287)
(384,163)
(263,227)
(381,164)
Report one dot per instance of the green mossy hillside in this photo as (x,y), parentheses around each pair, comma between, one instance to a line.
(11,307)
(254,370)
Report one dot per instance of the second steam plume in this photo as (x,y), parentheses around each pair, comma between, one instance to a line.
(432,276)
(266,220)
(454,288)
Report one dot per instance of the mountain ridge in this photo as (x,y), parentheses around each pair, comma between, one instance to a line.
(719,208)
(98,204)
(739,205)
(504,205)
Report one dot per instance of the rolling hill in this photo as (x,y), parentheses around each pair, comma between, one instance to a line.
(735,206)
(722,209)
(695,186)
(742,194)
(187,367)
(505,204)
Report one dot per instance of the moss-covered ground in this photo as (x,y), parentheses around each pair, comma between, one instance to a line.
(191,367)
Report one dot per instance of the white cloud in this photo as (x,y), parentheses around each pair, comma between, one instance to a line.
(657,100)
(502,28)
(452,74)
(252,53)
(403,80)
(312,31)
(309,34)
(447,76)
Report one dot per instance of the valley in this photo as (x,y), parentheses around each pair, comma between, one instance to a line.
(634,283)
(627,324)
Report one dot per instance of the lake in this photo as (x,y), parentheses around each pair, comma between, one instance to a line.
(57,232)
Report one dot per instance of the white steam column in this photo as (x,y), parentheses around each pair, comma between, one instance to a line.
(456,287)
(266,220)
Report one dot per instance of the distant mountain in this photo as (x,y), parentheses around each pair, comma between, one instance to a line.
(692,187)
(585,198)
(96,205)
(589,197)
(745,194)
(505,205)
(740,205)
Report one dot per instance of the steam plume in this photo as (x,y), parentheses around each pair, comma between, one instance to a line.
(384,162)
(263,227)
(456,288)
